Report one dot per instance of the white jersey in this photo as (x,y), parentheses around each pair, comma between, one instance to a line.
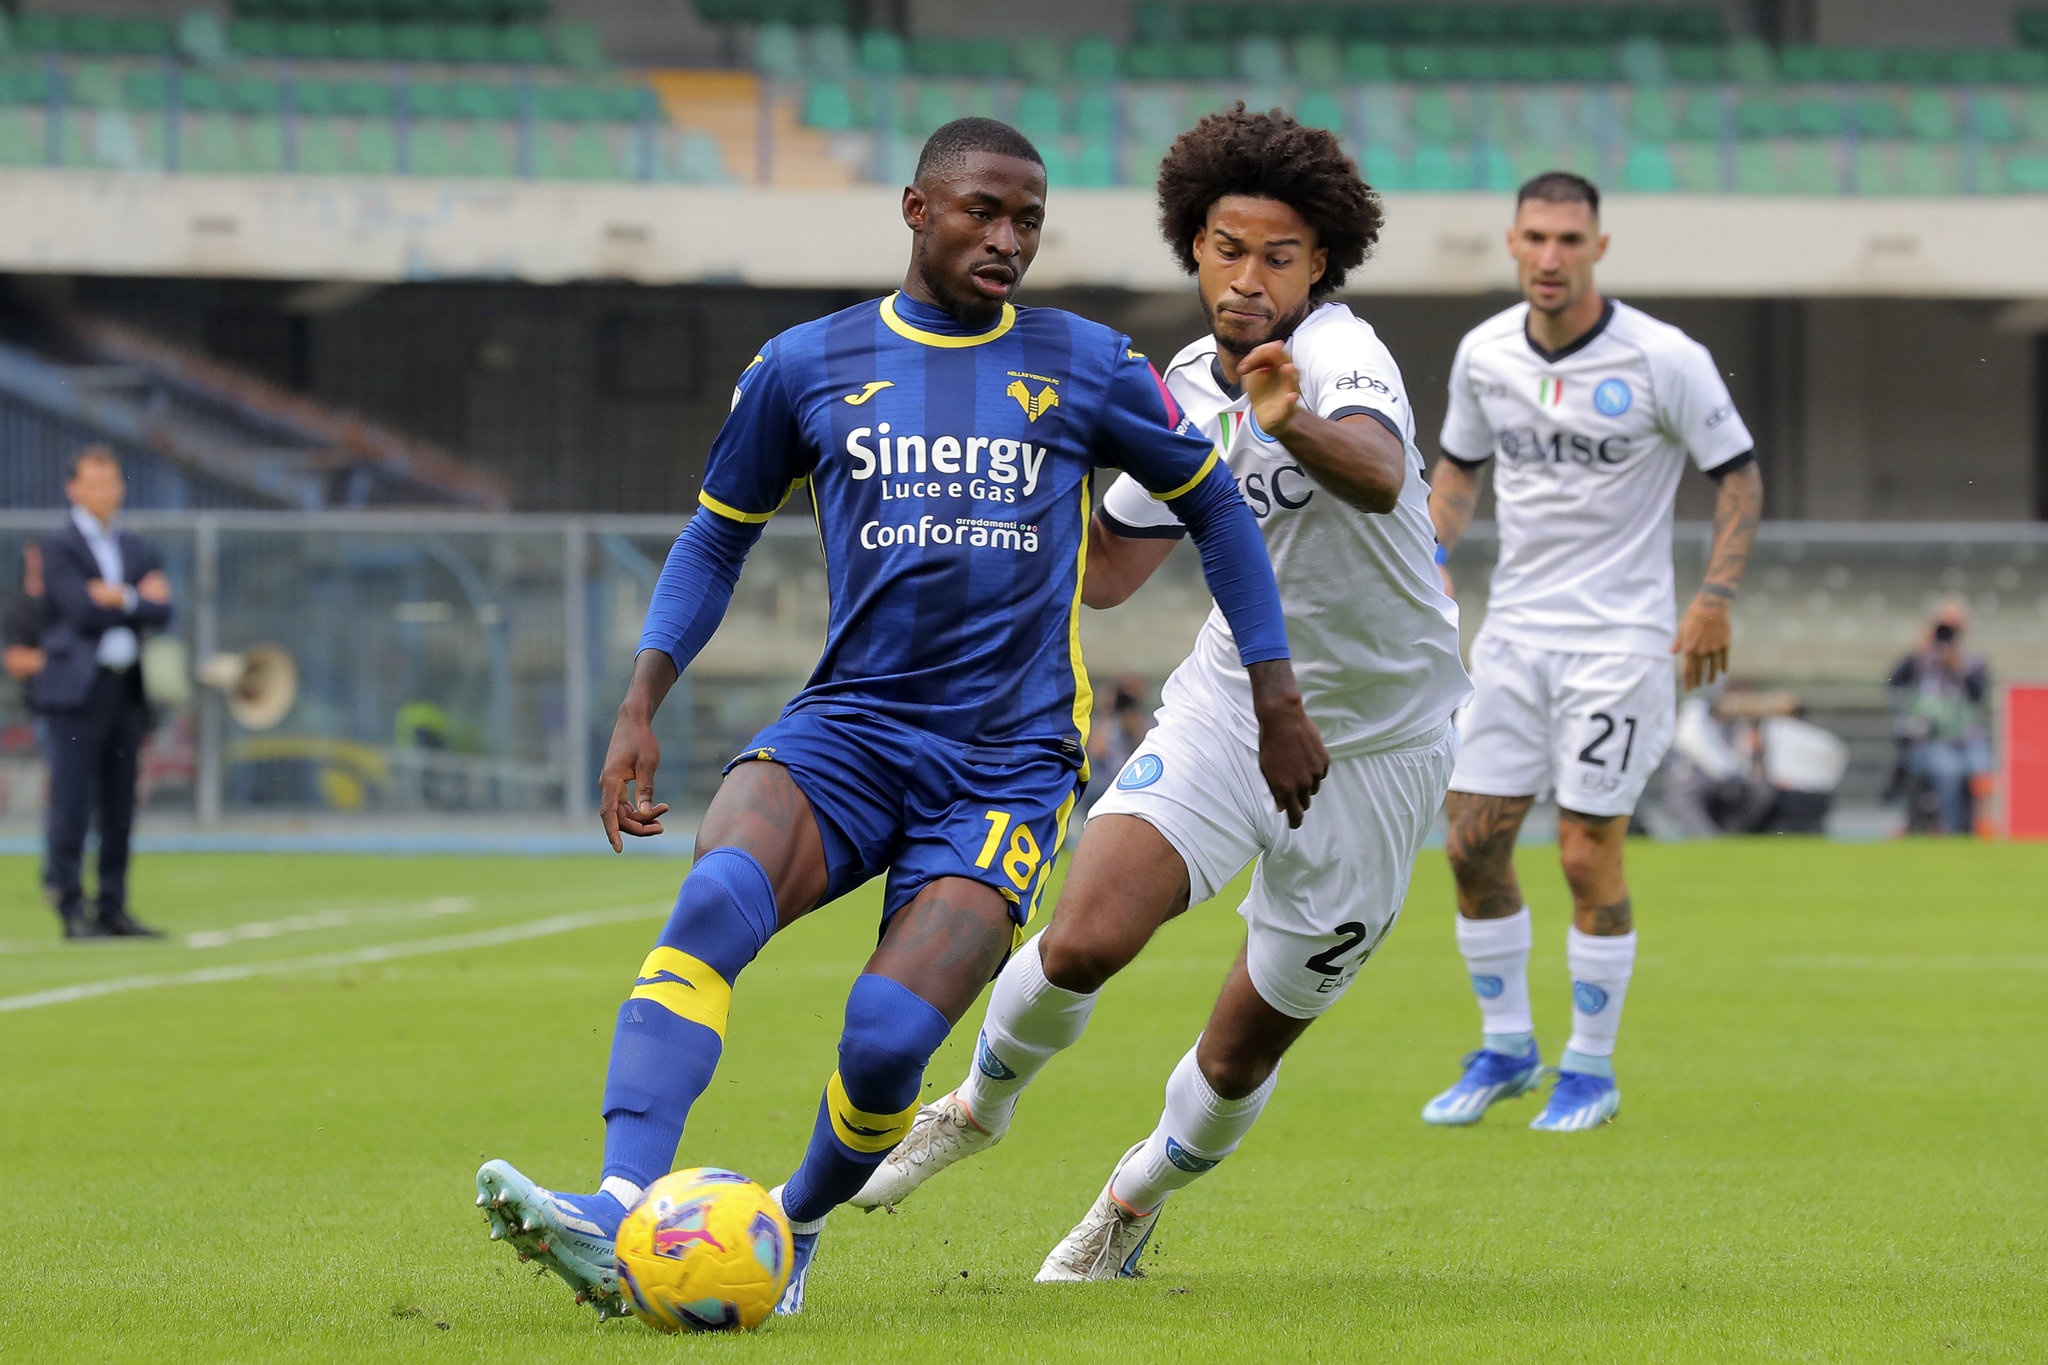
(1374,637)
(1591,441)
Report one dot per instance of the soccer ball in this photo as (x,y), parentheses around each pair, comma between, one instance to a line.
(705,1251)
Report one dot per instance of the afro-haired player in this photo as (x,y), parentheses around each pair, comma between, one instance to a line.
(1309,410)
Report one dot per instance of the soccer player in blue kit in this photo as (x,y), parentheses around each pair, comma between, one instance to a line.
(946,439)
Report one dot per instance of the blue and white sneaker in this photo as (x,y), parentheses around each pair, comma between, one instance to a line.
(1577,1102)
(1489,1078)
(803,1246)
(571,1234)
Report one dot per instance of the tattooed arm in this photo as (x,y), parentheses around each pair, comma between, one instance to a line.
(1704,635)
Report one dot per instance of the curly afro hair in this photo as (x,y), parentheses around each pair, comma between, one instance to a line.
(1269,156)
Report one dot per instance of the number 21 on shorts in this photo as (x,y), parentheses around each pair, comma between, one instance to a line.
(1020,858)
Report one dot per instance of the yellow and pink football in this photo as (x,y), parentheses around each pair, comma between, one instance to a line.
(706,1250)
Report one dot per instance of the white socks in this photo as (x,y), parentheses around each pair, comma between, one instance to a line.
(1029,1019)
(1198,1129)
(1497,955)
(1600,971)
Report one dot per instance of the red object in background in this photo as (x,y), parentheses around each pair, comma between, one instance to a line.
(2025,778)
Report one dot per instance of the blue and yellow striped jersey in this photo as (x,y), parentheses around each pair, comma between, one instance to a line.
(949,471)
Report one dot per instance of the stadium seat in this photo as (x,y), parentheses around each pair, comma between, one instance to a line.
(776,52)
(1495,170)
(1094,59)
(91,85)
(1696,166)
(1991,119)
(319,147)
(1582,62)
(1059,167)
(1156,116)
(207,144)
(829,105)
(881,53)
(1039,112)
(1749,61)
(364,99)
(1317,61)
(1928,170)
(934,106)
(362,42)
(201,93)
(1640,61)
(1930,116)
(1260,59)
(2023,66)
(1873,168)
(2026,172)
(1436,119)
(1492,115)
(416,42)
(1756,169)
(2034,116)
(1648,168)
(1382,169)
(1817,118)
(1040,59)
(1861,65)
(253,38)
(1441,169)
(1156,21)
(1095,114)
(1969,66)
(201,38)
(263,145)
(1876,116)
(1421,62)
(429,150)
(1368,62)
(1543,116)
(374,150)
(1095,167)
(830,53)
(1693,62)
(1597,119)
(484,151)
(1816,168)
(1650,116)
(524,45)
(578,46)
(699,160)
(20,144)
(313,42)
(1761,116)
(1322,109)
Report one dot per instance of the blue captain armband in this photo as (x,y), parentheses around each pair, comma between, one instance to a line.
(1443,556)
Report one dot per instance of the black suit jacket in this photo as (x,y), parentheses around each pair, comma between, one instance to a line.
(73,625)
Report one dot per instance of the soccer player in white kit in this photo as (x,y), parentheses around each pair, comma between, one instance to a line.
(1588,410)
(1306,405)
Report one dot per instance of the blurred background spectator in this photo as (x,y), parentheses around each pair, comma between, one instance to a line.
(1749,763)
(1941,715)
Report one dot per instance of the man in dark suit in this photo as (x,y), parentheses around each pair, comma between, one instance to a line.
(105,588)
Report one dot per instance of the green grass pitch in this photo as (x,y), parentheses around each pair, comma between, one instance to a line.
(1832,1143)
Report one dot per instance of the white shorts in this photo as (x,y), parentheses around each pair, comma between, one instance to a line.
(1592,727)
(1324,895)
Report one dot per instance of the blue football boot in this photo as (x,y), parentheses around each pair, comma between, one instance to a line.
(1489,1077)
(570,1234)
(802,1247)
(1577,1102)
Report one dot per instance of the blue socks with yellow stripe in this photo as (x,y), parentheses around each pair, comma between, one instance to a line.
(891,1033)
(672,1027)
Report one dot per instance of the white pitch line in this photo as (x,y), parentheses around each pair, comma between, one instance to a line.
(336,918)
(354,957)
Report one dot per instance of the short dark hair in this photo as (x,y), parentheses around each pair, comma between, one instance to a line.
(954,142)
(1269,156)
(93,452)
(1560,187)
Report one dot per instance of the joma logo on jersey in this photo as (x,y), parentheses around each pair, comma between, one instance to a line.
(972,532)
(1003,462)
(1520,445)
(1035,405)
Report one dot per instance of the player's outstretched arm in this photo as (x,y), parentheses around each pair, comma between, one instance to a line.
(1706,632)
(689,601)
(1240,578)
(1354,457)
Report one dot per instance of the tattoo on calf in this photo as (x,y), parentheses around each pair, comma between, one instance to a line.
(1481,845)
(1612,920)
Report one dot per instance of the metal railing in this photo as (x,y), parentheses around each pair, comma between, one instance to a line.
(456,662)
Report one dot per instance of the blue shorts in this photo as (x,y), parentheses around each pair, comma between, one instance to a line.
(888,796)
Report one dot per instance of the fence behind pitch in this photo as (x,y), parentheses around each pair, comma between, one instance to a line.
(460,663)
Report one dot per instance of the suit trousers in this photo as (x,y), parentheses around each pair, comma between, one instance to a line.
(93,754)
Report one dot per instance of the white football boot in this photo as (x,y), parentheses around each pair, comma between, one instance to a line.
(1106,1244)
(942,1133)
